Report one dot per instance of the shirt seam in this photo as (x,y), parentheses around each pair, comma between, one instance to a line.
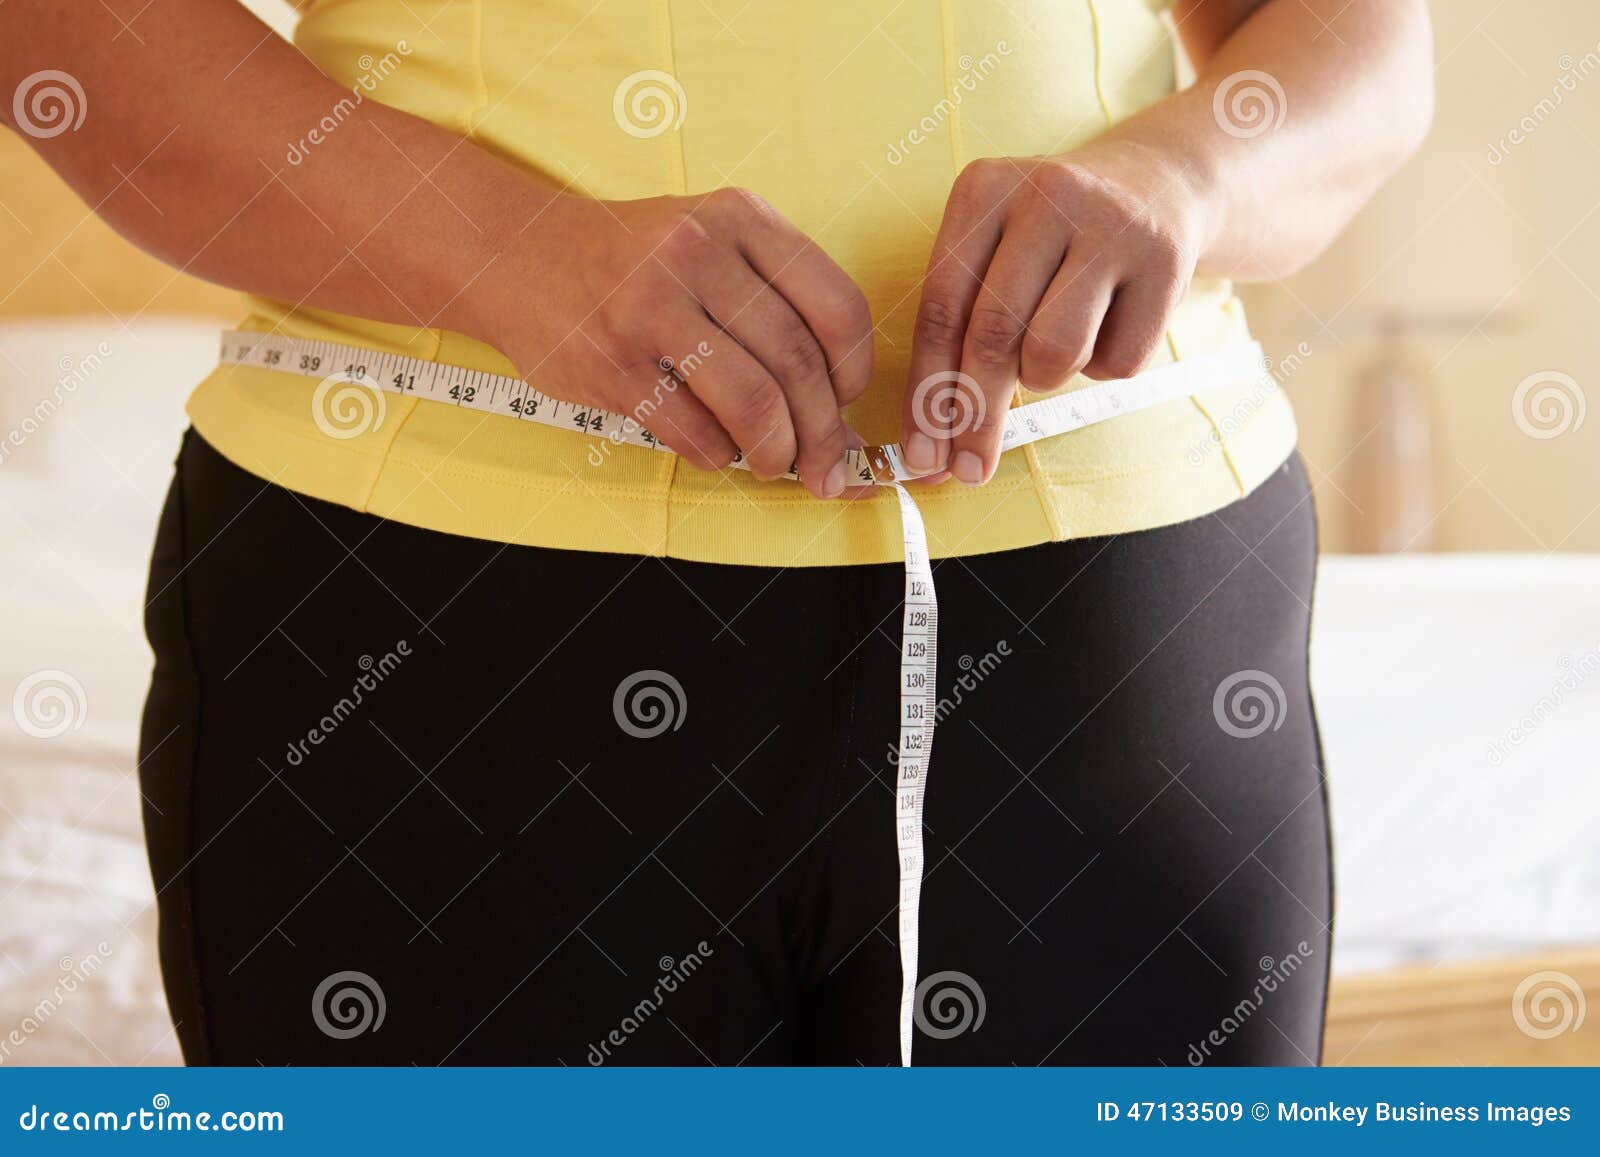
(469,127)
(958,153)
(1167,335)
(678,161)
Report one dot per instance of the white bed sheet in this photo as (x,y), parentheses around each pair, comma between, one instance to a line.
(1459,698)
(1419,664)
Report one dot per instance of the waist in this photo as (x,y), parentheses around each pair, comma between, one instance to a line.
(459,471)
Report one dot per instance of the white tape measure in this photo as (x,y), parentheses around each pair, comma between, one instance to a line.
(874,465)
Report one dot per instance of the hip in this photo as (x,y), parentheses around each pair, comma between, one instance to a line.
(537,719)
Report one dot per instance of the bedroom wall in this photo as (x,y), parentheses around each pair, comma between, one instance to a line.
(1485,253)
(1481,264)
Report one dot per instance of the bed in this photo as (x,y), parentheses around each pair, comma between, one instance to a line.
(1459,698)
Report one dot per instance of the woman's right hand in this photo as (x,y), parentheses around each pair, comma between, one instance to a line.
(398,220)
(592,299)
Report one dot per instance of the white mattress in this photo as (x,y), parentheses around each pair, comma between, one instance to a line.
(1420,664)
(1459,698)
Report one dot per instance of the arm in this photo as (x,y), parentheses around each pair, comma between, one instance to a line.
(1356,100)
(1084,256)
(191,110)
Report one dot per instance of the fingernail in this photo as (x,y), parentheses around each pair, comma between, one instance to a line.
(968,467)
(833,484)
(919,451)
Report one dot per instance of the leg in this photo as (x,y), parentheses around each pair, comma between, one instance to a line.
(379,760)
(1130,869)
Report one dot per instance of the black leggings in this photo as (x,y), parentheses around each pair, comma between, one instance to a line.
(414,798)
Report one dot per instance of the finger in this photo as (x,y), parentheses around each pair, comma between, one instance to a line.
(966,240)
(854,441)
(832,306)
(742,396)
(766,325)
(1133,328)
(668,408)
(1028,256)
(1061,334)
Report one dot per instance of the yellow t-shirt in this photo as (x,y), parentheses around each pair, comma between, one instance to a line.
(853,120)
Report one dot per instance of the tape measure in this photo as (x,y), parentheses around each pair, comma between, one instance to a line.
(343,365)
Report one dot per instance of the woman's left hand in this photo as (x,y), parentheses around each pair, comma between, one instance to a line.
(1044,267)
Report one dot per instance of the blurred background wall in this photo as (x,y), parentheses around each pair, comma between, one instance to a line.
(1476,271)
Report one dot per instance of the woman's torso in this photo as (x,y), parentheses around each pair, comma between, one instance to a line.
(852,119)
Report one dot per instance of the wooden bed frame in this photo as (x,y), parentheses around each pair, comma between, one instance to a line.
(1459,1014)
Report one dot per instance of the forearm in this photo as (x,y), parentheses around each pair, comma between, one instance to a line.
(184,150)
(1281,175)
